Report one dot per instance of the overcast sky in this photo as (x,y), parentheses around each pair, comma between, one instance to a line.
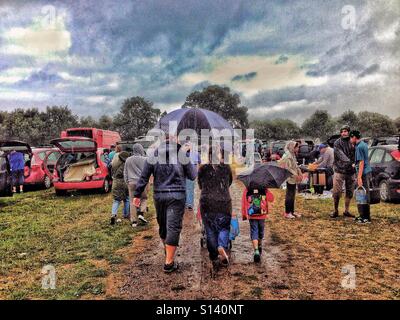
(284,58)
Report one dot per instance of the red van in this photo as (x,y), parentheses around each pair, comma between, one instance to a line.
(82,165)
(103,138)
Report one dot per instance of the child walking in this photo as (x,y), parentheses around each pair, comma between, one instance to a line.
(255,209)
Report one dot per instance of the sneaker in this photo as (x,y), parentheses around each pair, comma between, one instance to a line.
(357,219)
(134,224)
(334,215)
(297,215)
(289,216)
(364,221)
(169,268)
(112,221)
(119,220)
(216,264)
(348,215)
(257,256)
(142,219)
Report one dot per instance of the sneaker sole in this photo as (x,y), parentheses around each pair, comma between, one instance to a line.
(143,220)
(175,268)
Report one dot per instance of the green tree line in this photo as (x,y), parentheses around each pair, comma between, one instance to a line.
(137,115)
(322,125)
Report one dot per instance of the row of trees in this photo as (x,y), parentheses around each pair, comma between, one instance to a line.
(135,118)
(322,125)
(137,115)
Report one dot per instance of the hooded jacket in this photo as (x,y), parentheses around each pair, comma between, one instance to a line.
(134,164)
(119,187)
(289,162)
(169,173)
(344,156)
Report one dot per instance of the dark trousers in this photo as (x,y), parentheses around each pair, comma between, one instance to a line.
(170,211)
(217,227)
(17,177)
(364,210)
(290,197)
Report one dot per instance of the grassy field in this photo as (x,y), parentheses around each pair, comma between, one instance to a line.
(319,247)
(71,233)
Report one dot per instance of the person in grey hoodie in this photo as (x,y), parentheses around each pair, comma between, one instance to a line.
(133,169)
(169,186)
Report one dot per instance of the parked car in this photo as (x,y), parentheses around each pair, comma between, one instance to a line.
(381,141)
(307,153)
(35,174)
(385,164)
(6,146)
(81,166)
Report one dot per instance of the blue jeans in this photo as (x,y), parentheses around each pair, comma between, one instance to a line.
(257,229)
(115,206)
(189,193)
(217,227)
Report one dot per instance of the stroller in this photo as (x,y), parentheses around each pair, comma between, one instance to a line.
(233,233)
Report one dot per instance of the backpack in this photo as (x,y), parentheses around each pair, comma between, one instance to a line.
(257,201)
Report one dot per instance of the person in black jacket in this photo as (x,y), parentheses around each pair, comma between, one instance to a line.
(214,180)
(169,188)
(343,166)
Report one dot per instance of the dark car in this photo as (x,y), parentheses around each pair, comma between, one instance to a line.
(6,147)
(385,164)
(308,153)
(383,141)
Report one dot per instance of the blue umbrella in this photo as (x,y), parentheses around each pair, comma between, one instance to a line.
(193,118)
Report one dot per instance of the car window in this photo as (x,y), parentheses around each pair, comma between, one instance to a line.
(304,149)
(388,157)
(53,157)
(377,156)
(41,155)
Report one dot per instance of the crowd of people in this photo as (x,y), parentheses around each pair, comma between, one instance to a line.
(173,190)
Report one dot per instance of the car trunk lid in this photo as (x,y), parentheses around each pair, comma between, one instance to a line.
(75,144)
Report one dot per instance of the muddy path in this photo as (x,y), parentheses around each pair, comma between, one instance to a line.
(143,277)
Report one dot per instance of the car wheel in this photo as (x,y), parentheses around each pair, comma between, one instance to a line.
(106,186)
(61,193)
(384,191)
(47,182)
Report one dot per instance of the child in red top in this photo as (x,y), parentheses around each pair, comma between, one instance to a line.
(255,209)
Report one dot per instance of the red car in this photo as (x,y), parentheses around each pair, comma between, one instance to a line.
(35,172)
(81,166)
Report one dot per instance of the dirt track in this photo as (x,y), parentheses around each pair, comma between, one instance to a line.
(144,278)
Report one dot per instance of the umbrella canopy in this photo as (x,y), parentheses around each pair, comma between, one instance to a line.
(193,118)
(264,176)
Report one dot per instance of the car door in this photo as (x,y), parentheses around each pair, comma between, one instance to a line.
(376,163)
(4,172)
(49,162)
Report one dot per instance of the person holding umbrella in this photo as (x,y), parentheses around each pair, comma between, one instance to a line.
(214,179)
(289,162)
(256,196)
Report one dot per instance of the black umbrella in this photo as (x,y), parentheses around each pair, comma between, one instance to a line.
(263,176)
